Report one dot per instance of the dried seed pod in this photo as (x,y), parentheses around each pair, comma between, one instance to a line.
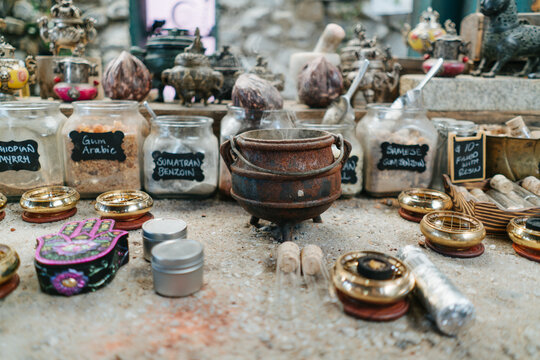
(126,78)
(319,83)
(253,93)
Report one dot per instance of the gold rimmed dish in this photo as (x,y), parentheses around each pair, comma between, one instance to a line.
(9,263)
(3,201)
(123,205)
(351,283)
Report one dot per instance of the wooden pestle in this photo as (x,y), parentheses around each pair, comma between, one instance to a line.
(288,257)
(312,259)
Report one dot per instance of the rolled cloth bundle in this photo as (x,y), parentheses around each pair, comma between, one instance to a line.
(450,309)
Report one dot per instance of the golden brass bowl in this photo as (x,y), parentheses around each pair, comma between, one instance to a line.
(49,199)
(423,201)
(3,201)
(9,263)
(452,229)
(520,235)
(347,280)
(123,205)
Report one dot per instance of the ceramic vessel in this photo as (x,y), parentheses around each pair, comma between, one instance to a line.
(14,73)
(192,77)
(69,30)
(427,30)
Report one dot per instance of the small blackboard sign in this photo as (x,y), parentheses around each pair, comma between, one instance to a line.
(97,146)
(19,155)
(403,157)
(467,157)
(348,171)
(169,166)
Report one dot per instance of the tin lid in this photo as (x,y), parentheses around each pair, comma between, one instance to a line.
(174,254)
(164,229)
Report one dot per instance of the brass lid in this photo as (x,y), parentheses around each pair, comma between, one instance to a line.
(49,199)
(521,235)
(9,263)
(423,201)
(124,205)
(348,281)
(3,201)
(452,229)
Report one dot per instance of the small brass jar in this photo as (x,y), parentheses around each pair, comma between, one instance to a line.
(129,208)
(525,235)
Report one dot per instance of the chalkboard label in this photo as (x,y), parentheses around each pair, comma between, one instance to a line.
(348,171)
(97,146)
(186,166)
(19,155)
(403,157)
(466,157)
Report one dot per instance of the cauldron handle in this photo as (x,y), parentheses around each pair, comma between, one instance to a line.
(225,150)
(343,145)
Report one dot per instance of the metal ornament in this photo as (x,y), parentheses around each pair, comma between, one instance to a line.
(72,80)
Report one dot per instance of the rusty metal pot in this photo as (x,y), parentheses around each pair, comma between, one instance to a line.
(285,176)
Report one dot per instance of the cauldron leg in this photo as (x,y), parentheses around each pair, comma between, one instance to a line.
(317,219)
(286,232)
(255,222)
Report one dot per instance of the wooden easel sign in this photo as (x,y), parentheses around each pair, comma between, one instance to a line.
(467,157)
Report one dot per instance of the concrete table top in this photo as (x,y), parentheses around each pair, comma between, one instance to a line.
(232,317)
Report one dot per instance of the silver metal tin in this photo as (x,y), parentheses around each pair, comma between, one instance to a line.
(177,267)
(156,231)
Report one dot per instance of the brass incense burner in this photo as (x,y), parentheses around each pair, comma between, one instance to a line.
(9,263)
(69,30)
(123,205)
(350,282)
(525,235)
(417,202)
(49,203)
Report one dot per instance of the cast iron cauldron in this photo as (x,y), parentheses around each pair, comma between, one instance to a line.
(285,176)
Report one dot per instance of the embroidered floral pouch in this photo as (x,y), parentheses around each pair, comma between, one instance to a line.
(84,256)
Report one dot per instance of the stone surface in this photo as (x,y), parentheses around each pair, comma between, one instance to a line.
(467,92)
(235,315)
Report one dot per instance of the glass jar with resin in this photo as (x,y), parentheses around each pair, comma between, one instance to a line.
(181,157)
(399,149)
(30,151)
(351,172)
(103,146)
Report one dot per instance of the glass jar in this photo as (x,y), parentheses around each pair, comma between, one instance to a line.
(30,155)
(399,149)
(444,126)
(351,172)
(103,146)
(181,157)
(239,120)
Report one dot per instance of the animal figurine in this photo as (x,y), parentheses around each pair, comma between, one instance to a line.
(506,38)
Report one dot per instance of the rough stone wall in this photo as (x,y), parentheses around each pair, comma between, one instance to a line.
(278,28)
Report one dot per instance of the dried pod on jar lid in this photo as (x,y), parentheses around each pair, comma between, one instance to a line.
(252,92)
(126,78)
(319,83)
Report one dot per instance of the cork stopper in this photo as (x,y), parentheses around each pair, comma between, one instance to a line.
(480,195)
(518,128)
(312,260)
(501,183)
(288,257)
(532,184)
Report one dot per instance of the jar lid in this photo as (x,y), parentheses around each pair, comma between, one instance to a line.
(177,254)
(164,229)
(462,127)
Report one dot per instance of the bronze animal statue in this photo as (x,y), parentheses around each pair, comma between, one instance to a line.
(506,38)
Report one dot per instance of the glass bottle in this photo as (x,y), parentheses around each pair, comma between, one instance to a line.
(181,157)
(351,173)
(445,126)
(239,120)
(30,155)
(103,146)
(399,149)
